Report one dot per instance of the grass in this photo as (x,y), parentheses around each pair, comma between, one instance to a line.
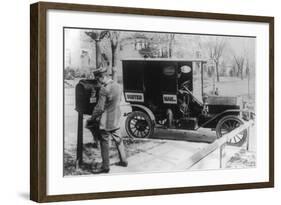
(242,159)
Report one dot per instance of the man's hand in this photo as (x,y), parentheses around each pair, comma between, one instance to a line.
(92,123)
(97,119)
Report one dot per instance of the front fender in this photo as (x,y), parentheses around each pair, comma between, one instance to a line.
(144,109)
(217,117)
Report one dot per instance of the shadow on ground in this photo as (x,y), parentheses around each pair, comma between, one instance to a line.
(201,135)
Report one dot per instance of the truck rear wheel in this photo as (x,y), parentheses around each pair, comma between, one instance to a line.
(139,125)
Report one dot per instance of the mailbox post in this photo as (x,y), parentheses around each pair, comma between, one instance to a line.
(79,150)
(86,97)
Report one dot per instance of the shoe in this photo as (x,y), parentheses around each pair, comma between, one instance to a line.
(100,171)
(122,164)
(97,165)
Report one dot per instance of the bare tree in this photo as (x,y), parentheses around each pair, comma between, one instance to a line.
(168,39)
(164,42)
(215,51)
(97,36)
(114,37)
(243,59)
(239,62)
(171,39)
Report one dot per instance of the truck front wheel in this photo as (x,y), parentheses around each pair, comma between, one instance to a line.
(226,125)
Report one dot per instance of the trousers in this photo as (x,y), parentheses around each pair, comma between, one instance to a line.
(104,136)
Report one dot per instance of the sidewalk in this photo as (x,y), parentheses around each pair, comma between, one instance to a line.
(165,157)
(172,155)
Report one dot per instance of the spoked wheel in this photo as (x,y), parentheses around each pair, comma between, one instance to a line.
(139,125)
(226,125)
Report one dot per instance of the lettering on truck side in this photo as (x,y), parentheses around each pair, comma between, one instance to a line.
(134,97)
(169,99)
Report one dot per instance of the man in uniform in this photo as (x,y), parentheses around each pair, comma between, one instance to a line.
(107,113)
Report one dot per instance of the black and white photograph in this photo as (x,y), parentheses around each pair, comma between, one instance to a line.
(139,102)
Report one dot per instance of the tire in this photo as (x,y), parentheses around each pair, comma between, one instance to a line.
(139,125)
(226,125)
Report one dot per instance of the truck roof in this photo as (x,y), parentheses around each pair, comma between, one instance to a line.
(165,59)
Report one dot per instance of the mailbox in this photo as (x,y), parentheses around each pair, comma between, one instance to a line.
(86,96)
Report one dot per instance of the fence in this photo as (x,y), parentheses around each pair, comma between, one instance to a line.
(217,144)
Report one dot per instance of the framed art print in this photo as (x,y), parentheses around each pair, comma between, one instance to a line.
(135,102)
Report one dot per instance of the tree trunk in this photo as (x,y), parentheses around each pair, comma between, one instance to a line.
(217,72)
(171,38)
(170,50)
(98,54)
(113,60)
